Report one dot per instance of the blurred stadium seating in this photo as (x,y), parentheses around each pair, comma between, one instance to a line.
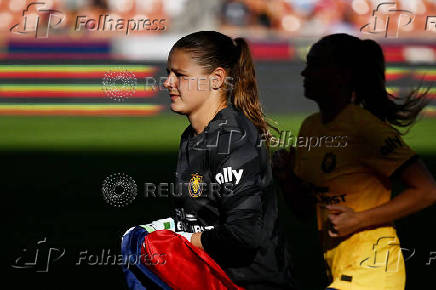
(316,17)
(280,32)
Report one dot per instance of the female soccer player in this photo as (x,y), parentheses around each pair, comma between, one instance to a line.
(358,150)
(227,206)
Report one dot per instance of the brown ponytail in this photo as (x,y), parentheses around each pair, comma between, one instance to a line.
(212,49)
(245,94)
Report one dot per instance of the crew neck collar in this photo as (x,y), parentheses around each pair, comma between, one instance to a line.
(217,116)
(338,115)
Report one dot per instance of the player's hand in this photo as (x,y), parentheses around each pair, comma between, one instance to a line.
(194,238)
(343,221)
(186,235)
(282,163)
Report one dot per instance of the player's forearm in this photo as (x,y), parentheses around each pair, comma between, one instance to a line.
(196,240)
(409,201)
(230,243)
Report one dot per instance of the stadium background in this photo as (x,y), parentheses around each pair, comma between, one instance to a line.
(62,134)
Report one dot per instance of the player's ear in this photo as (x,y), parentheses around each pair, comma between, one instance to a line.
(217,77)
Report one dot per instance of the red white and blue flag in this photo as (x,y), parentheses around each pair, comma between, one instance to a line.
(167,260)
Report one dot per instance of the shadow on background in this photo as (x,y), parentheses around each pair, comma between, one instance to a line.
(57,197)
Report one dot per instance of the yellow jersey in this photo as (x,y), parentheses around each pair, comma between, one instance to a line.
(350,160)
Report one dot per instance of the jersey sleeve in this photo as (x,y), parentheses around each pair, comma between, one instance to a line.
(386,149)
(237,170)
(303,133)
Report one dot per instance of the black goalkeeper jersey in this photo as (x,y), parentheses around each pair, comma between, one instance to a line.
(225,191)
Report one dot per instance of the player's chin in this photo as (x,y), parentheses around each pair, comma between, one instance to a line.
(178,108)
(309,96)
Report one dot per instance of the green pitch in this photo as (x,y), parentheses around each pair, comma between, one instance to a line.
(53,169)
(158,133)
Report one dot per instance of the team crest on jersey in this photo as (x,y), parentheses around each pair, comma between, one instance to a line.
(328,163)
(391,143)
(195,188)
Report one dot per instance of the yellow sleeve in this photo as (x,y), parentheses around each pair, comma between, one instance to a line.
(386,150)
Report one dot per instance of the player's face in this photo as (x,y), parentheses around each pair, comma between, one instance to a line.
(187,84)
(322,78)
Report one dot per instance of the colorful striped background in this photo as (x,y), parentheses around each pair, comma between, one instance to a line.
(59,48)
(71,90)
(417,73)
(69,71)
(36,109)
(64,76)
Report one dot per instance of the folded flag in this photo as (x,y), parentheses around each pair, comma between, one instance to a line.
(137,274)
(168,260)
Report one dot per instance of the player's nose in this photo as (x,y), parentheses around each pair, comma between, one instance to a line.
(169,82)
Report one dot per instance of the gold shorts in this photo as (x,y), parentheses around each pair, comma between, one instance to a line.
(370,259)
